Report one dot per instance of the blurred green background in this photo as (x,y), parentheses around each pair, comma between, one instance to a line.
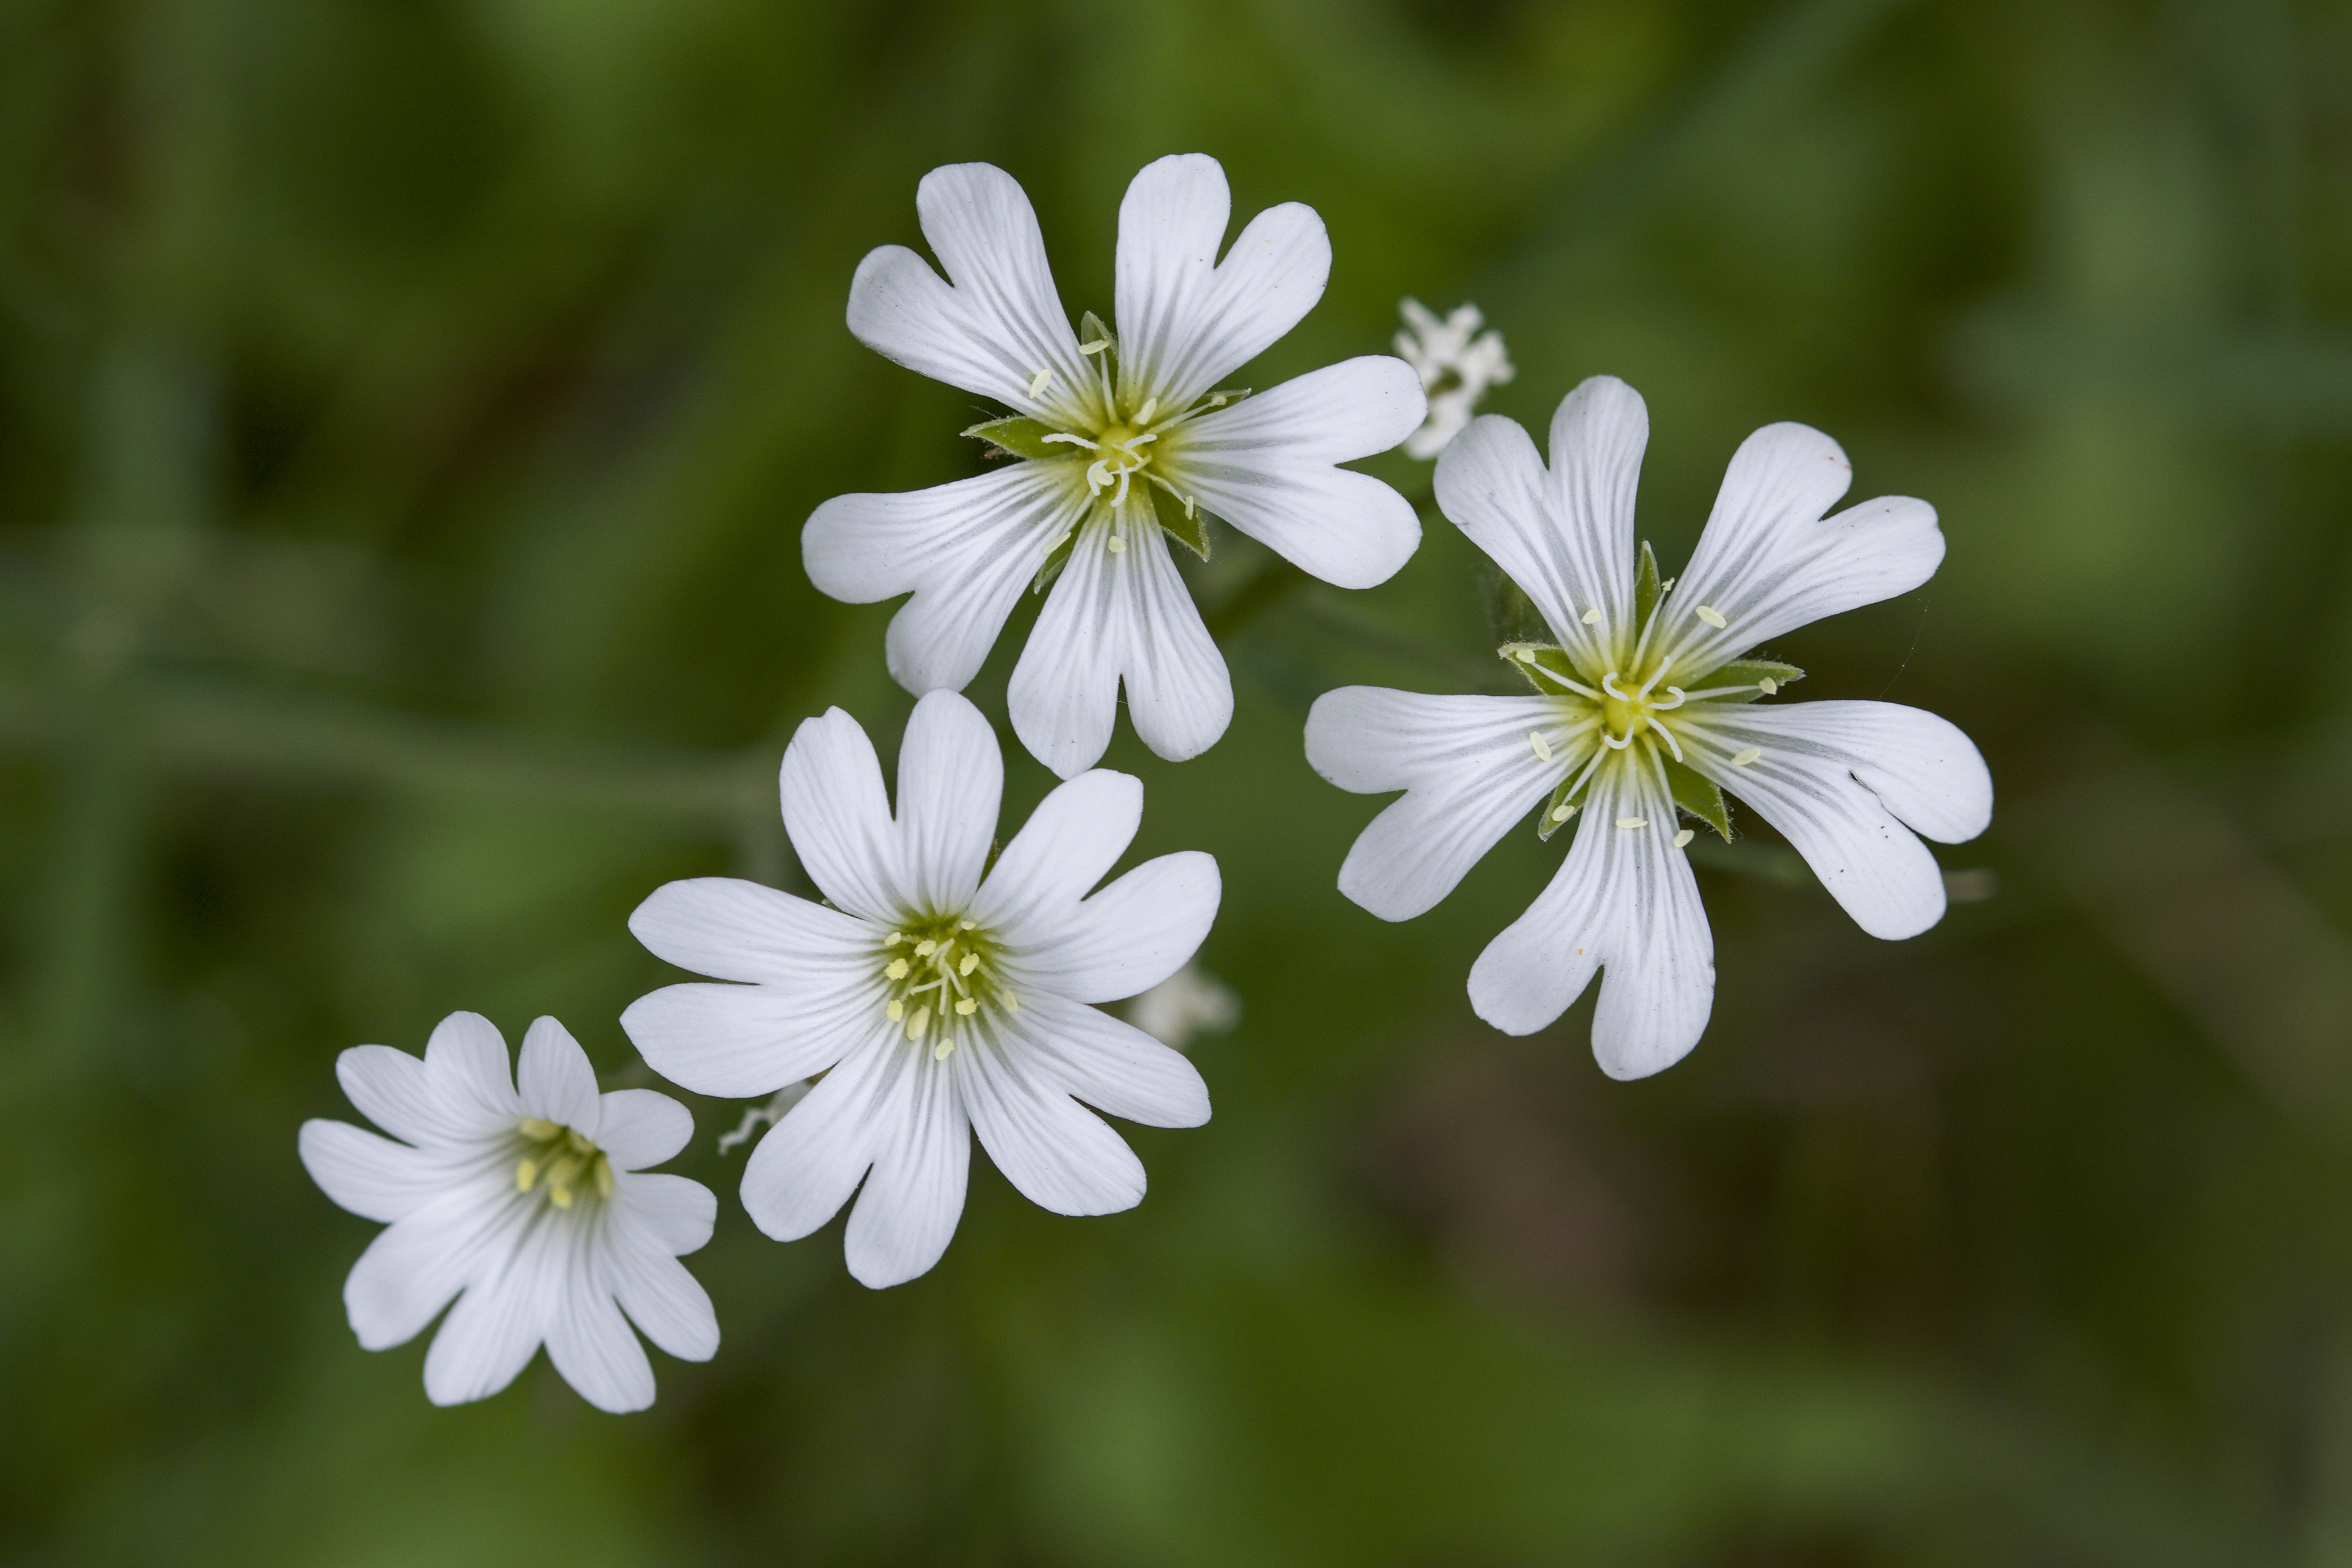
(408,409)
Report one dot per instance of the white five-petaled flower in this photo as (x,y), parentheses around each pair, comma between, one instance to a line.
(1124,439)
(1645,702)
(1456,363)
(525,1199)
(940,995)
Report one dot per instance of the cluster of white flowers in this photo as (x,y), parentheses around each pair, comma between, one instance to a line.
(940,992)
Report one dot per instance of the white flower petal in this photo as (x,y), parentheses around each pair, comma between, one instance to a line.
(1267,466)
(409,1271)
(1184,321)
(734,929)
(591,1345)
(438,1102)
(677,1212)
(489,1335)
(742,1041)
(1468,770)
(965,549)
(1127,938)
(908,1211)
(1060,1155)
(1804,784)
(1769,561)
(950,782)
(1112,1064)
(1114,613)
(838,817)
(1624,897)
(556,1080)
(665,1301)
(1070,842)
(373,1177)
(807,1166)
(1564,534)
(638,1127)
(1000,324)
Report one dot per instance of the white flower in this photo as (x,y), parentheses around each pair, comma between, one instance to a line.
(1190,1002)
(1643,702)
(1125,439)
(936,1000)
(1457,364)
(534,1204)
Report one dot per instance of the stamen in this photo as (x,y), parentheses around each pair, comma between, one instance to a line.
(1095,347)
(525,1174)
(1711,616)
(1630,822)
(1144,414)
(1684,837)
(1097,473)
(971,962)
(1012,1002)
(1672,744)
(1563,810)
(925,947)
(966,1007)
(1117,545)
(967,925)
(1543,748)
(1039,382)
(894,1011)
(1741,759)
(894,939)
(944,1050)
(1058,540)
(1667,586)
(1526,656)
(1768,686)
(896,970)
(1592,617)
(540,1129)
(603,1178)
(918,1024)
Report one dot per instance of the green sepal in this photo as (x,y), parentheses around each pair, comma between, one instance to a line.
(1019,436)
(1747,672)
(1570,794)
(1191,533)
(1646,589)
(1055,559)
(1700,797)
(1541,665)
(1093,329)
(1513,615)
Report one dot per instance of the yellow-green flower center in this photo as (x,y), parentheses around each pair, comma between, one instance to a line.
(556,1159)
(939,974)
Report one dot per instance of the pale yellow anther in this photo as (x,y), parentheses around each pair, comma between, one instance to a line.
(1685,836)
(1632,822)
(1117,545)
(966,1007)
(1524,656)
(1563,810)
(925,948)
(1144,414)
(1059,540)
(894,1011)
(603,1178)
(944,1050)
(1667,586)
(968,925)
(894,939)
(971,962)
(559,1196)
(525,1174)
(1741,759)
(1012,1002)
(897,970)
(1095,347)
(1592,617)
(540,1129)
(1711,616)
(1768,686)
(920,1024)
(1541,747)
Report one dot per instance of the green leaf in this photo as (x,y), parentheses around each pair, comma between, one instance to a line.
(1513,615)
(1191,533)
(1018,436)
(1700,797)
(1646,591)
(1541,665)
(1093,330)
(1750,673)
(1563,804)
(1057,557)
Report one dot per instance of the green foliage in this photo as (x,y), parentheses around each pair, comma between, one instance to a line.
(407,413)
(1018,436)
(1701,797)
